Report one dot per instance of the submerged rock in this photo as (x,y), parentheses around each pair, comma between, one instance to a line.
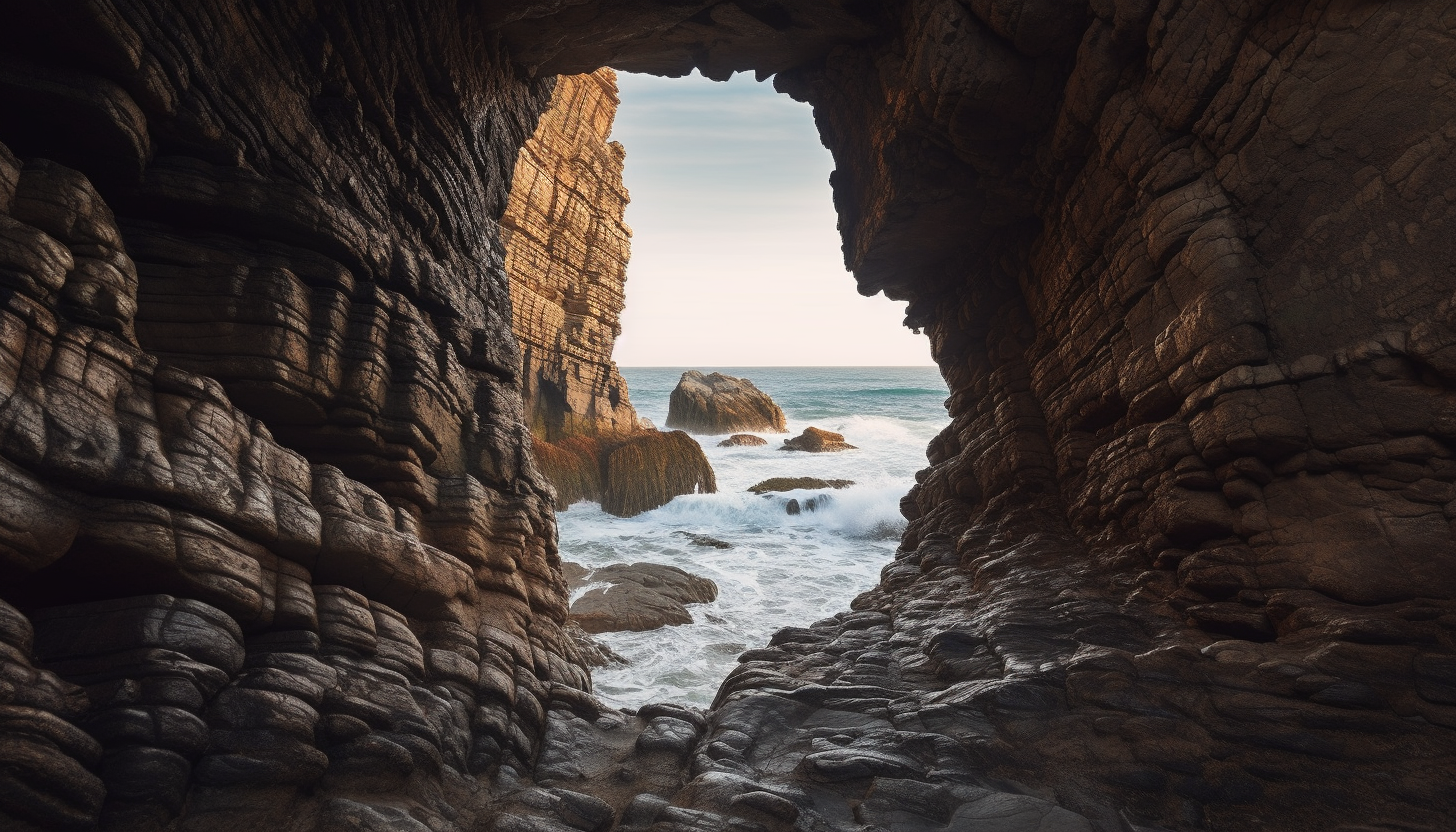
(705,540)
(716,403)
(641,596)
(746,440)
(817,441)
(773,484)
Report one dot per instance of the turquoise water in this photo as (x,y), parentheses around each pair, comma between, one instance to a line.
(783,570)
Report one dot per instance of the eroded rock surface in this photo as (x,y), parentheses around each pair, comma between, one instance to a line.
(743,440)
(276,553)
(567,246)
(817,441)
(715,403)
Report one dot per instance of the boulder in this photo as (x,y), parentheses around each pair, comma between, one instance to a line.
(773,484)
(794,507)
(716,403)
(652,468)
(641,596)
(591,651)
(627,474)
(817,441)
(746,440)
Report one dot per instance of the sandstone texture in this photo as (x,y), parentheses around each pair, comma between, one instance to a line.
(773,484)
(567,246)
(744,440)
(817,441)
(639,596)
(275,552)
(715,403)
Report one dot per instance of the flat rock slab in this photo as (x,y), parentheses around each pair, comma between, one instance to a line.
(794,483)
(640,596)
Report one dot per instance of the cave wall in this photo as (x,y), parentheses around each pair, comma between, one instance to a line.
(276,550)
(272,536)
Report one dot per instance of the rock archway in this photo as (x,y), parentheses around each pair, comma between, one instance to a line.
(276,553)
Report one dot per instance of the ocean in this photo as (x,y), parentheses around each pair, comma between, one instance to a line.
(782,570)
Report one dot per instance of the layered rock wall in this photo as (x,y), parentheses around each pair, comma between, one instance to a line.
(272,536)
(1184,555)
(567,245)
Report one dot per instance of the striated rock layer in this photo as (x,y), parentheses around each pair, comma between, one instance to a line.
(272,535)
(567,246)
(566,256)
(276,553)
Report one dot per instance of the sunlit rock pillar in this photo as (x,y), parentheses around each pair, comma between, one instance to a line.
(567,246)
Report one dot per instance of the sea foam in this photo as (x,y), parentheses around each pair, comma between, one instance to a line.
(782,570)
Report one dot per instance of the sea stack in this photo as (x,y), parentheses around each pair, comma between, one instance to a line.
(715,403)
(567,248)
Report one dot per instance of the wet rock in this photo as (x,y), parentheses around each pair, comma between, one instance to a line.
(810,504)
(667,733)
(592,652)
(627,474)
(641,596)
(705,540)
(716,403)
(817,441)
(743,440)
(793,483)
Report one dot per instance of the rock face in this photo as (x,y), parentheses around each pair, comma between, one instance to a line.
(567,246)
(716,403)
(641,596)
(817,441)
(275,552)
(743,440)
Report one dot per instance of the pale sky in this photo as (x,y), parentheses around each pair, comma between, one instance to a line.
(736,259)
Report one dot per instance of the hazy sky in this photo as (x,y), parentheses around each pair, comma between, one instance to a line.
(735,255)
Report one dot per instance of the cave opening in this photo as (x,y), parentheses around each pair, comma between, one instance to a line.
(735,267)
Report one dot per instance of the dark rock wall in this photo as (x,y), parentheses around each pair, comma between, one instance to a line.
(1184,555)
(274,542)
(268,504)
(1187,539)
